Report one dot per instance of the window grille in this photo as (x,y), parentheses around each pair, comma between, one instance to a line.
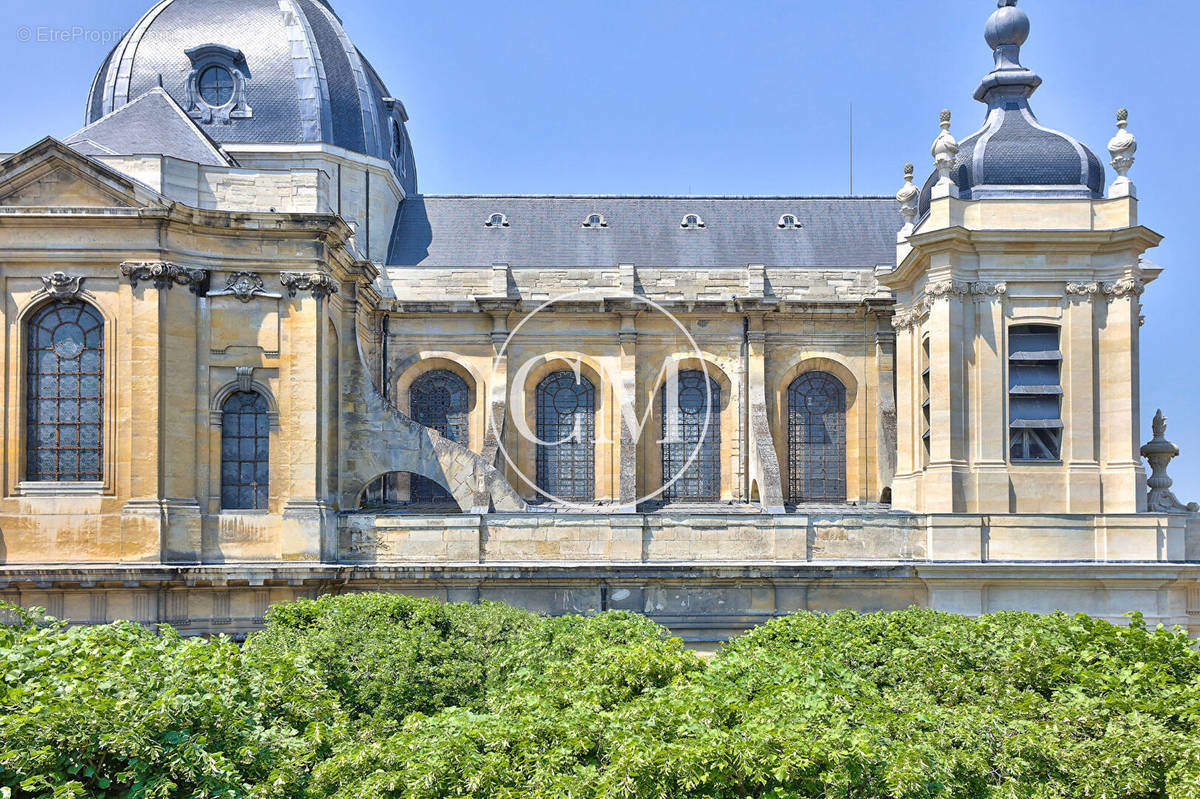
(566,420)
(65,393)
(440,400)
(694,431)
(245,451)
(817,439)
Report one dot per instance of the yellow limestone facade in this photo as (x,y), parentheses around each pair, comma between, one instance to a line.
(229,382)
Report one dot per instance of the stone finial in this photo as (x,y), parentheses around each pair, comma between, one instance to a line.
(945,150)
(1122,147)
(1159,453)
(907,197)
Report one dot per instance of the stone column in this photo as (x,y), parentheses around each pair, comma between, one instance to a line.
(908,437)
(494,427)
(941,490)
(308,528)
(989,420)
(627,398)
(1078,380)
(140,426)
(1122,475)
(163,513)
(885,369)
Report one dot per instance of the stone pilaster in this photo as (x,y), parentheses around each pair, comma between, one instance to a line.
(627,450)
(307,527)
(1122,475)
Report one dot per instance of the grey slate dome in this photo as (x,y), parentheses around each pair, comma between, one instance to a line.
(1013,155)
(259,71)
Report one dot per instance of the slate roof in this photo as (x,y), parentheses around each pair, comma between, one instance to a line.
(1014,155)
(438,230)
(306,80)
(153,123)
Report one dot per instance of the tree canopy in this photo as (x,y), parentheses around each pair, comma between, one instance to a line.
(377,695)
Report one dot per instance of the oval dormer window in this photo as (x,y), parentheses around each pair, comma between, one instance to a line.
(496,220)
(692,222)
(216,86)
(789,221)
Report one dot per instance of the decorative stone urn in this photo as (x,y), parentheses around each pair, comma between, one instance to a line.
(1159,453)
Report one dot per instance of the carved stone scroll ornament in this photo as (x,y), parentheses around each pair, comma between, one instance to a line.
(321,284)
(164,274)
(1125,287)
(1159,453)
(1082,289)
(245,286)
(62,286)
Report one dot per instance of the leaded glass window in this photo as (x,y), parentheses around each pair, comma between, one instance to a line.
(694,433)
(438,399)
(245,451)
(817,439)
(216,86)
(566,422)
(65,393)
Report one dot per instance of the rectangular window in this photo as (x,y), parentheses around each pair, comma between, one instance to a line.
(926,416)
(1034,393)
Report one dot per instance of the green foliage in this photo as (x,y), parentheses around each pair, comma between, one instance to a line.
(386,696)
(388,655)
(118,711)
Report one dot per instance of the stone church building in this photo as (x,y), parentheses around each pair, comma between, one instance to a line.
(245,359)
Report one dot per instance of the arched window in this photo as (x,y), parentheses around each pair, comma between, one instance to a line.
(817,439)
(692,431)
(789,221)
(65,393)
(496,220)
(566,421)
(692,222)
(440,400)
(245,451)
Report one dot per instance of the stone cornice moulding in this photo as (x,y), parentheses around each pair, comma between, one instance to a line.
(946,289)
(1112,290)
(164,274)
(956,238)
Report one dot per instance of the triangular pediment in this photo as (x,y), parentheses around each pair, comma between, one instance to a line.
(51,175)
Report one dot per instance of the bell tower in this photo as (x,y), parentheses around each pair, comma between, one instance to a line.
(1018,286)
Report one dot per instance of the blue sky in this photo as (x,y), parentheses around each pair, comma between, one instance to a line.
(752,97)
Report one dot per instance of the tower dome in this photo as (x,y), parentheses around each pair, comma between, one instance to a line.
(258,72)
(1013,155)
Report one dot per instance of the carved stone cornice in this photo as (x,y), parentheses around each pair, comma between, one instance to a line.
(321,284)
(1082,289)
(245,286)
(165,274)
(62,286)
(1116,289)
(905,319)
